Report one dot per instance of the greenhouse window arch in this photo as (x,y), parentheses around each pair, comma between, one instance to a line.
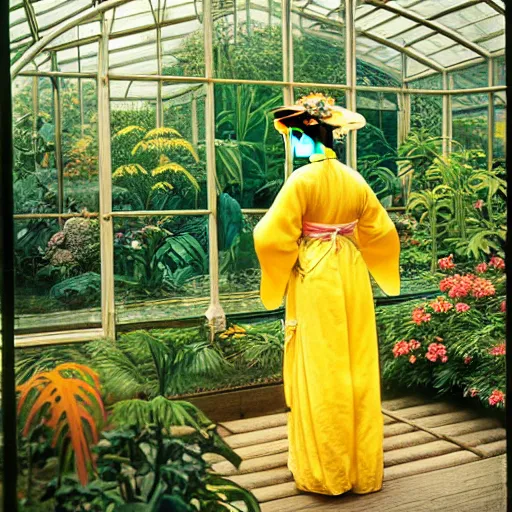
(144,153)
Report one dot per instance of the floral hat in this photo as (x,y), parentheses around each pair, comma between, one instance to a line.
(321,109)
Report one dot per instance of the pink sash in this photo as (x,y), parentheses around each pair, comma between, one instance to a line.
(327,231)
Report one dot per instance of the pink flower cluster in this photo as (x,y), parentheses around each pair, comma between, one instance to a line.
(462,307)
(467,359)
(497,263)
(481,267)
(441,305)
(503,306)
(498,350)
(446,263)
(402,348)
(482,288)
(436,351)
(479,204)
(419,316)
(496,397)
(468,284)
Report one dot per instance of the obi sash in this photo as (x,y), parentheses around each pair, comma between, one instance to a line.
(327,231)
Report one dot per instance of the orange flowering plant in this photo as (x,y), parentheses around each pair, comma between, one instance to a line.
(454,341)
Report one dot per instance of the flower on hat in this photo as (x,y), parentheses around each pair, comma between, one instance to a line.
(317,105)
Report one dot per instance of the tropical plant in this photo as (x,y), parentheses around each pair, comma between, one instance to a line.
(455,342)
(155,363)
(168,183)
(67,401)
(433,205)
(153,259)
(156,469)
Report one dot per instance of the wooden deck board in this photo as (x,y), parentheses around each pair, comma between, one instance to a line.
(477,486)
(410,451)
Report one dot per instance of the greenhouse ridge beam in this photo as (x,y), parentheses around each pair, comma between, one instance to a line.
(229,81)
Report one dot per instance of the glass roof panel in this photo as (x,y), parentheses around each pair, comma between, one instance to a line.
(479,23)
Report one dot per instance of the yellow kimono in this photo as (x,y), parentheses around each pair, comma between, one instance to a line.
(331,364)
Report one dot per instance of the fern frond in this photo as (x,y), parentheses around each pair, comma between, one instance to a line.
(129,129)
(123,376)
(160,411)
(162,132)
(178,169)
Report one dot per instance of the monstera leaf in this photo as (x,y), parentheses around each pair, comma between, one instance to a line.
(66,400)
(230,221)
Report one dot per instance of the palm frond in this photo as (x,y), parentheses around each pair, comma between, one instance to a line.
(129,129)
(162,132)
(173,167)
(162,144)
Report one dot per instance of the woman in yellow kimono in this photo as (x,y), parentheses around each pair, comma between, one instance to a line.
(325,230)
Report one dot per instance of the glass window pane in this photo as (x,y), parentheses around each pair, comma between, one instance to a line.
(319,42)
(161,268)
(470,119)
(249,151)
(57,270)
(240,272)
(80,144)
(377,145)
(35,173)
(500,125)
(248,41)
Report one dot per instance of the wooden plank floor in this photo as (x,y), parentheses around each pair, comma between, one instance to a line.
(449,455)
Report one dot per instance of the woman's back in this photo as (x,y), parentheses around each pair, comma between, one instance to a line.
(335,193)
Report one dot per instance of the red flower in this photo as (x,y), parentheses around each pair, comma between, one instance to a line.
(446,263)
(473,392)
(481,268)
(414,344)
(436,351)
(401,348)
(496,397)
(497,263)
(414,242)
(468,359)
(503,306)
(479,204)
(412,359)
(461,307)
(482,288)
(498,350)
(441,305)
(419,316)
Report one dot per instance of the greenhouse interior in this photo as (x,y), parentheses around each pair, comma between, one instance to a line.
(144,155)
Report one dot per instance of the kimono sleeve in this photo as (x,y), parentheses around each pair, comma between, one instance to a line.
(379,244)
(276,239)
